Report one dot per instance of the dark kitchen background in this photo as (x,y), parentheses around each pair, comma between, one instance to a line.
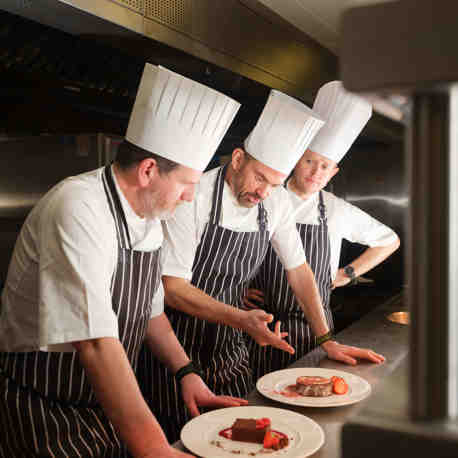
(68,80)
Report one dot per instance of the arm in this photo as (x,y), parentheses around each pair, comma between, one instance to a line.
(185,297)
(110,374)
(302,282)
(370,258)
(164,345)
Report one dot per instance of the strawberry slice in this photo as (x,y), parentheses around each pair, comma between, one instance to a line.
(262,423)
(339,386)
(270,440)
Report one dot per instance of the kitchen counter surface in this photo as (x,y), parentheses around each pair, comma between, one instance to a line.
(373,331)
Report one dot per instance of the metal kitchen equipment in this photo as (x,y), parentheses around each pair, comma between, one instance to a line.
(409,47)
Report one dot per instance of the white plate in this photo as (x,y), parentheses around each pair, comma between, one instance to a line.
(305,435)
(270,385)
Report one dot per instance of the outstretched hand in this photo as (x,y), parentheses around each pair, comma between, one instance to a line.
(350,355)
(197,394)
(256,325)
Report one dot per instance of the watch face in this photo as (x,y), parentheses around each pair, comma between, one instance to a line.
(349,271)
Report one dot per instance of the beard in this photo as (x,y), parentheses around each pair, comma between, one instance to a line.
(243,197)
(155,206)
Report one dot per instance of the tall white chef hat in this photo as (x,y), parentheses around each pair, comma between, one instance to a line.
(282,133)
(178,118)
(345,113)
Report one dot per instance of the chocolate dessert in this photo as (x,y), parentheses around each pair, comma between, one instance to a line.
(250,430)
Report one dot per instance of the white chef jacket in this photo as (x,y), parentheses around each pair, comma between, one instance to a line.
(58,285)
(184,230)
(345,221)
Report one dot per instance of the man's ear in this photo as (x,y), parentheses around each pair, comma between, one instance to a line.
(147,171)
(238,156)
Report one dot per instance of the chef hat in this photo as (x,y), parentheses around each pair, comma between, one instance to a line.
(178,118)
(282,133)
(345,113)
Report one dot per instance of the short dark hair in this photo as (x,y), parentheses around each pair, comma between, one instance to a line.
(129,155)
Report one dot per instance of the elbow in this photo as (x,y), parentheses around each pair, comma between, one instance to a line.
(396,244)
(173,286)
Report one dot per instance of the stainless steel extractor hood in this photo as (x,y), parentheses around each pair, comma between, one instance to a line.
(242,36)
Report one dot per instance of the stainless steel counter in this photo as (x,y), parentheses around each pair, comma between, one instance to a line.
(372,331)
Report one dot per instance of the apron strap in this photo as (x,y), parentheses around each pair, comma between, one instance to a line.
(217,203)
(116,208)
(322,210)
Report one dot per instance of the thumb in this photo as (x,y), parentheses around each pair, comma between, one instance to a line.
(192,407)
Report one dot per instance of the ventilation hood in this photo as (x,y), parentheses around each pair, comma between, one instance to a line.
(238,46)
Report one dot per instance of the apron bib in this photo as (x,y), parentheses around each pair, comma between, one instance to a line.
(280,300)
(47,406)
(224,264)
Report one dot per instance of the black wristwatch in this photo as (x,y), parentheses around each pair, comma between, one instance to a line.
(189,368)
(350,273)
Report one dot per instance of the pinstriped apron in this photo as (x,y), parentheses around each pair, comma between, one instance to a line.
(279,298)
(47,406)
(224,264)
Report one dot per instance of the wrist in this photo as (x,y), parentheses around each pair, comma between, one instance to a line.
(189,368)
(349,272)
(322,339)
(239,318)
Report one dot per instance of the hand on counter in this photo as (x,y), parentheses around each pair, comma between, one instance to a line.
(196,393)
(350,355)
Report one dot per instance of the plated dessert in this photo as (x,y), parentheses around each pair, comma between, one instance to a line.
(256,431)
(316,386)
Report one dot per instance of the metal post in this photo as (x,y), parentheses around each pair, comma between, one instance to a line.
(431,266)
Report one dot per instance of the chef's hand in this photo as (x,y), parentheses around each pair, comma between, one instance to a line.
(196,393)
(253,295)
(255,324)
(348,354)
(341,279)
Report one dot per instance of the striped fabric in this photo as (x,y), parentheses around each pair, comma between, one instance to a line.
(224,264)
(280,300)
(47,406)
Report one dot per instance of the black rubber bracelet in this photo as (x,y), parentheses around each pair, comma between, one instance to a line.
(324,338)
(185,370)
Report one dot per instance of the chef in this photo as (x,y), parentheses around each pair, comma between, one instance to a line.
(214,247)
(84,287)
(322,221)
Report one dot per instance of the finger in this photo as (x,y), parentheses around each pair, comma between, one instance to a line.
(364,353)
(343,357)
(375,357)
(239,400)
(282,345)
(192,407)
(277,328)
(283,335)
(226,401)
(249,304)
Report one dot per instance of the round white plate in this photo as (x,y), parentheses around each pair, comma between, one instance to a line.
(200,435)
(272,384)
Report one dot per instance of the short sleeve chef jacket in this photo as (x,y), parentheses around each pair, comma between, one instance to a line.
(184,231)
(58,285)
(345,221)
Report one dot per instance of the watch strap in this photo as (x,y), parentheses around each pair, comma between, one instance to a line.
(324,338)
(187,369)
